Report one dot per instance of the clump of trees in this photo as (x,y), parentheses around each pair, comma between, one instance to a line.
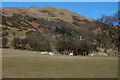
(39,42)
(44,42)
(67,44)
(18,43)
(110,30)
(33,41)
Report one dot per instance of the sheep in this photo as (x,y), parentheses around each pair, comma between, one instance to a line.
(114,54)
(34,52)
(106,55)
(71,54)
(43,53)
(50,53)
(92,55)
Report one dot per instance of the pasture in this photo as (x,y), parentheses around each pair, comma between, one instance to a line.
(27,64)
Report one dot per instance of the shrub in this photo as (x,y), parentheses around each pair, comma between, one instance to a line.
(29,32)
(76,24)
(24,43)
(4,41)
(16,43)
(13,33)
(5,28)
(39,42)
(4,33)
(63,31)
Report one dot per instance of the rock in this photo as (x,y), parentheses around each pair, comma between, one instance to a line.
(102,54)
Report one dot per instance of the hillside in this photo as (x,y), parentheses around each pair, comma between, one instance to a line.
(35,17)
(20,21)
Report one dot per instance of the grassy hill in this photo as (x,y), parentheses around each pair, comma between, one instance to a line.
(55,22)
(30,18)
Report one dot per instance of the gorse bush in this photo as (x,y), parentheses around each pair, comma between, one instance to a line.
(63,31)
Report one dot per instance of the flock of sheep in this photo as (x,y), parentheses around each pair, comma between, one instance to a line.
(71,54)
(50,53)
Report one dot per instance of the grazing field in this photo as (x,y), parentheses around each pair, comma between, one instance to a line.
(26,64)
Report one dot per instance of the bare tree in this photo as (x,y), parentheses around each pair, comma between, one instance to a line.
(109,23)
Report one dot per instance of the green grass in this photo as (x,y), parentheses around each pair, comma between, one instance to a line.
(26,64)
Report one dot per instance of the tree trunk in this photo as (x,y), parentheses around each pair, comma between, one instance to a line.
(119,46)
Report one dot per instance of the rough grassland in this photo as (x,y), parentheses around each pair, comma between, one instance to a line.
(26,64)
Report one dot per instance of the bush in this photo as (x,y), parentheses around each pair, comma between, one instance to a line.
(65,44)
(20,30)
(24,43)
(5,28)
(68,44)
(63,31)
(4,33)
(13,33)
(39,42)
(4,41)
(16,43)
(30,32)
(76,24)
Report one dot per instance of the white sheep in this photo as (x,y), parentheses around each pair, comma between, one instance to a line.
(92,55)
(106,55)
(71,54)
(34,52)
(43,53)
(50,53)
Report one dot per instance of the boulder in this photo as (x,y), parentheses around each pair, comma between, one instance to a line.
(102,54)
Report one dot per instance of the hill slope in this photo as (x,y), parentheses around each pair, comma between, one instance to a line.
(47,17)
(56,21)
